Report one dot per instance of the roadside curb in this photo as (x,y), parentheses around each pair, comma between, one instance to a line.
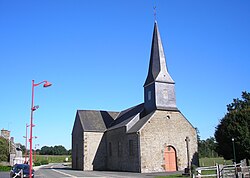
(38,167)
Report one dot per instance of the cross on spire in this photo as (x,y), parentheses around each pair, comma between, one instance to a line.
(155,12)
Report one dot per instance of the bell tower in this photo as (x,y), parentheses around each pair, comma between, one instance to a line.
(159,87)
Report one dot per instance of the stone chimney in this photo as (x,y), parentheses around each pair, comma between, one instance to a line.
(5,134)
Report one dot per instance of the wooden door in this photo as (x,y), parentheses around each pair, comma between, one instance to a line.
(170,159)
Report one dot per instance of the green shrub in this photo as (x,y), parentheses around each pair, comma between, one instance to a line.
(37,163)
(5,168)
(43,162)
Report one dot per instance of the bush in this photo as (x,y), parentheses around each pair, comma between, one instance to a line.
(5,168)
(37,164)
(43,162)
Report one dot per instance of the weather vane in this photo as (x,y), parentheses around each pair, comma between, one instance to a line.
(155,12)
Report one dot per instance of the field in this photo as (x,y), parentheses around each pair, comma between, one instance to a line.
(204,162)
(45,159)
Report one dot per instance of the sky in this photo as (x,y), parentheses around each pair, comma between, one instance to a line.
(96,54)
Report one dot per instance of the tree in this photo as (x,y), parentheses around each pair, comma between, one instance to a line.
(23,148)
(235,125)
(60,150)
(56,150)
(69,152)
(45,150)
(207,148)
(4,149)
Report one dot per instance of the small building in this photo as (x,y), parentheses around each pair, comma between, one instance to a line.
(153,136)
(14,150)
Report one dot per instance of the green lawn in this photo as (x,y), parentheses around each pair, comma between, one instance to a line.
(205,162)
(172,176)
(45,159)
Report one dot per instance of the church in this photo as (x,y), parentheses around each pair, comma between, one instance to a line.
(153,136)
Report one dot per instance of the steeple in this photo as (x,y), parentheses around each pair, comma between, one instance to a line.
(159,92)
(157,66)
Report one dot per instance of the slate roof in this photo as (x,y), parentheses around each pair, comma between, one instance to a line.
(138,125)
(100,121)
(96,120)
(157,66)
(126,116)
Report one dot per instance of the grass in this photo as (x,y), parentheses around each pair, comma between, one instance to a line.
(53,158)
(208,172)
(45,159)
(5,168)
(172,176)
(205,162)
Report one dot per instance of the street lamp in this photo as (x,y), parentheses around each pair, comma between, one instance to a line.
(33,108)
(26,137)
(234,150)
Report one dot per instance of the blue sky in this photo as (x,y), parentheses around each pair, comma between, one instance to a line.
(96,54)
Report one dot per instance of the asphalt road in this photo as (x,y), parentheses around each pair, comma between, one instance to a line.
(4,174)
(62,171)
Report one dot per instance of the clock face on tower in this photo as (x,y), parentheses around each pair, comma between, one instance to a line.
(165,94)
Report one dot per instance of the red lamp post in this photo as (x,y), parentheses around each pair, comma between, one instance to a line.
(26,137)
(33,108)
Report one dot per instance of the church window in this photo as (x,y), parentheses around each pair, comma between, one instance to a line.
(110,149)
(131,147)
(149,95)
(119,149)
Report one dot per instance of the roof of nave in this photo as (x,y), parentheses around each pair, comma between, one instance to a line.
(126,116)
(93,120)
(140,123)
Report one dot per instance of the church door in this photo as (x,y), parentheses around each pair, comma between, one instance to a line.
(170,159)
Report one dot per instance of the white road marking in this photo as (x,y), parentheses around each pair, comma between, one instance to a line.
(62,172)
(71,175)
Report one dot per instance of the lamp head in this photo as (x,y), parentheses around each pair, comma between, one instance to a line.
(47,84)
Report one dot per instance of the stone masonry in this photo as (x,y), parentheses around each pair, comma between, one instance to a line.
(166,128)
(153,136)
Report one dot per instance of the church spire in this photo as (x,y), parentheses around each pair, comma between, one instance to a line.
(157,66)
(159,87)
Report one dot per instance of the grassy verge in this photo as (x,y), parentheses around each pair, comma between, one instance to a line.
(205,162)
(53,158)
(46,159)
(5,168)
(172,176)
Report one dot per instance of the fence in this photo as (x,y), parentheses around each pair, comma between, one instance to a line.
(223,171)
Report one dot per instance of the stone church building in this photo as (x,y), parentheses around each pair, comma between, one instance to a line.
(153,136)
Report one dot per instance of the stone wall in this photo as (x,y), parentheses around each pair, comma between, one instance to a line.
(94,151)
(120,157)
(77,145)
(166,128)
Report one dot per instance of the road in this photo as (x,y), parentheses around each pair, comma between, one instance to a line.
(62,171)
